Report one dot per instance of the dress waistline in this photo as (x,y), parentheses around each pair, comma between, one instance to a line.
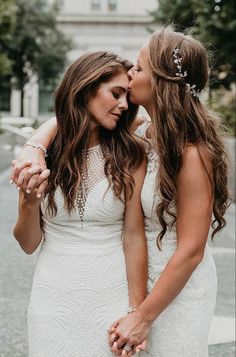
(83,248)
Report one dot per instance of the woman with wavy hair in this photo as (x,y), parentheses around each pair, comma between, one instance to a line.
(92,261)
(184,193)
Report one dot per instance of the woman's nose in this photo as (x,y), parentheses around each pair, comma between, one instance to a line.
(123,105)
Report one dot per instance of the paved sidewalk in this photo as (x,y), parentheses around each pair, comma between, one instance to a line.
(16,271)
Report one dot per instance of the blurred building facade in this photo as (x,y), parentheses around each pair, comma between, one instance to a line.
(115,25)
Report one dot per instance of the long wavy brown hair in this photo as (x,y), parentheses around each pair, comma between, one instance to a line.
(122,151)
(180,119)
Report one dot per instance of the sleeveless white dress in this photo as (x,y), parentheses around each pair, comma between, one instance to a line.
(80,282)
(182,328)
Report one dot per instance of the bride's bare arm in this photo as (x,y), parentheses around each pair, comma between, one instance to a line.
(45,133)
(27,230)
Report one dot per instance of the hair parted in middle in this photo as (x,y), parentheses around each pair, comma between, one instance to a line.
(181,119)
(121,149)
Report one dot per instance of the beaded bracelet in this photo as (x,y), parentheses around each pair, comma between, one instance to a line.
(37,146)
(131,309)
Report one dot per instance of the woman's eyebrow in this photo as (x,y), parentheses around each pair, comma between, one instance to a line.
(120,87)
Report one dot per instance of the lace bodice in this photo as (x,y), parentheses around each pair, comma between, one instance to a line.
(95,202)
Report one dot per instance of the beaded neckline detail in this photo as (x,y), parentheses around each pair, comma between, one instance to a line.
(92,172)
(92,148)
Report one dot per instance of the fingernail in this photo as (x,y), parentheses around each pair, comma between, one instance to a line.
(28,191)
(18,188)
(39,195)
(11,181)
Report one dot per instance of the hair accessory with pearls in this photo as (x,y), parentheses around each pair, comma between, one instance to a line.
(178,61)
(192,90)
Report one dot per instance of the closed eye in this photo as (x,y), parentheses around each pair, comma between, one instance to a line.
(137,69)
(116,95)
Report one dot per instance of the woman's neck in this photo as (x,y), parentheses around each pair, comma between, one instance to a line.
(93,137)
(149,109)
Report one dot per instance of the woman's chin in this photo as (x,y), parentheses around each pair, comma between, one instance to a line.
(112,126)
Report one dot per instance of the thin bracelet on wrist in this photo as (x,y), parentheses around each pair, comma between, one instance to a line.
(131,309)
(37,146)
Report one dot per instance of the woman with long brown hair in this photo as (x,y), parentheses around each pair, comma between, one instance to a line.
(92,261)
(184,193)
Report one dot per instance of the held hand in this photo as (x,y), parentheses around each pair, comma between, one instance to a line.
(29,170)
(132,329)
(37,183)
(28,156)
(126,350)
(134,349)
(120,352)
(34,196)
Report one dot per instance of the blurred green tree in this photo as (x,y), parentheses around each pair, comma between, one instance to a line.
(7,20)
(37,45)
(211,21)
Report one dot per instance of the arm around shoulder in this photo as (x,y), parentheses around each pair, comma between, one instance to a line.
(45,134)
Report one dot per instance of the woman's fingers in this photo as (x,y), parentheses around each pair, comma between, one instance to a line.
(38,183)
(43,176)
(121,341)
(111,339)
(27,157)
(33,179)
(18,166)
(21,177)
(115,349)
(26,174)
(31,184)
(36,180)
(142,346)
(113,327)
(42,188)
(127,354)
(123,353)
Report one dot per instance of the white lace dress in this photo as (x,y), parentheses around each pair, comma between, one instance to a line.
(80,283)
(182,329)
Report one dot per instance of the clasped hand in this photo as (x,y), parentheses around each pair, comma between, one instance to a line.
(128,334)
(29,172)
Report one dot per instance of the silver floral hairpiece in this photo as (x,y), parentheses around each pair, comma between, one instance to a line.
(192,90)
(178,60)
